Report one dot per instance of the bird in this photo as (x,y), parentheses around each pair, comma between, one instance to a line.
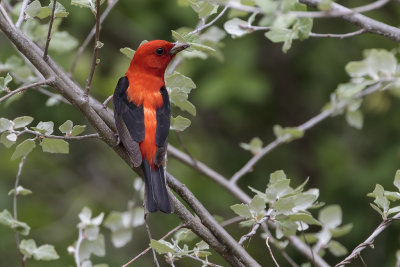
(142,116)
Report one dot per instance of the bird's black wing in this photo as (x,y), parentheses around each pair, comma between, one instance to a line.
(129,120)
(163,122)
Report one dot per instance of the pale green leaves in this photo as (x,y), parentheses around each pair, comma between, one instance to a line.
(179,123)
(377,64)
(287,134)
(35,9)
(128,52)
(46,128)
(44,253)
(54,146)
(254,146)
(202,8)
(236,27)
(355,119)
(179,87)
(330,216)
(4,81)
(383,199)
(20,190)
(68,128)
(23,149)
(121,225)
(21,122)
(91,4)
(161,246)
(7,219)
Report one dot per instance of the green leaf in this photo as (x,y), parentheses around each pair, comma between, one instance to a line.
(4,81)
(277,189)
(63,42)
(78,129)
(161,246)
(21,122)
(397,180)
(6,141)
(355,119)
(377,63)
(257,204)
(60,11)
(330,216)
(380,200)
(121,237)
(23,149)
(202,245)
(27,247)
(17,226)
(242,210)
(5,125)
(34,9)
(304,27)
(20,191)
(45,253)
(85,215)
(203,8)
(277,176)
(128,52)
(393,210)
(50,145)
(254,146)
(66,127)
(284,205)
(304,217)
(341,230)
(178,81)
(336,248)
(287,134)
(46,128)
(377,209)
(236,27)
(179,123)
(86,3)
(96,247)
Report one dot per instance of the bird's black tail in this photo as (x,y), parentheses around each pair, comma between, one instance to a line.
(157,197)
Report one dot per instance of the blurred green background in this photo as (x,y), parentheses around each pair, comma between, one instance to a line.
(254,88)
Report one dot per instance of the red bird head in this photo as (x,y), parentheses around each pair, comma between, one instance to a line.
(154,56)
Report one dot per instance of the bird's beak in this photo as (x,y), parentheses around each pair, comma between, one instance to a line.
(178,47)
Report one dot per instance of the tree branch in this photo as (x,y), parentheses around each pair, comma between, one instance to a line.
(46,48)
(21,14)
(23,88)
(340,36)
(15,206)
(369,241)
(111,4)
(253,230)
(38,134)
(199,29)
(95,52)
(303,127)
(208,220)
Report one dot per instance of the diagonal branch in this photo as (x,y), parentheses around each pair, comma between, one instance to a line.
(111,4)
(369,241)
(95,52)
(199,29)
(46,48)
(22,14)
(23,88)
(303,127)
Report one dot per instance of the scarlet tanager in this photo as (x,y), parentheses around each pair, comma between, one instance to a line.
(142,116)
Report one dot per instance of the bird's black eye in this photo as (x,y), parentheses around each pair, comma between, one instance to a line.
(159,51)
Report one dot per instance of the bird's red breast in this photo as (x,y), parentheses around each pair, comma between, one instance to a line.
(146,78)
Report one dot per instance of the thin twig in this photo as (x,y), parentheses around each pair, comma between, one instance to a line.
(303,127)
(308,244)
(232,221)
(149,235)
(65,137)
(4,12)
(253,230)
(22,14)
(309,14)
(95,52)
(81,237)
(199,29)
(46,48)
(340,36)
(270,252)
(15,206)
(148,248)
(85,43)
(362,260)
(23,88)
(105,103)
(369,241)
